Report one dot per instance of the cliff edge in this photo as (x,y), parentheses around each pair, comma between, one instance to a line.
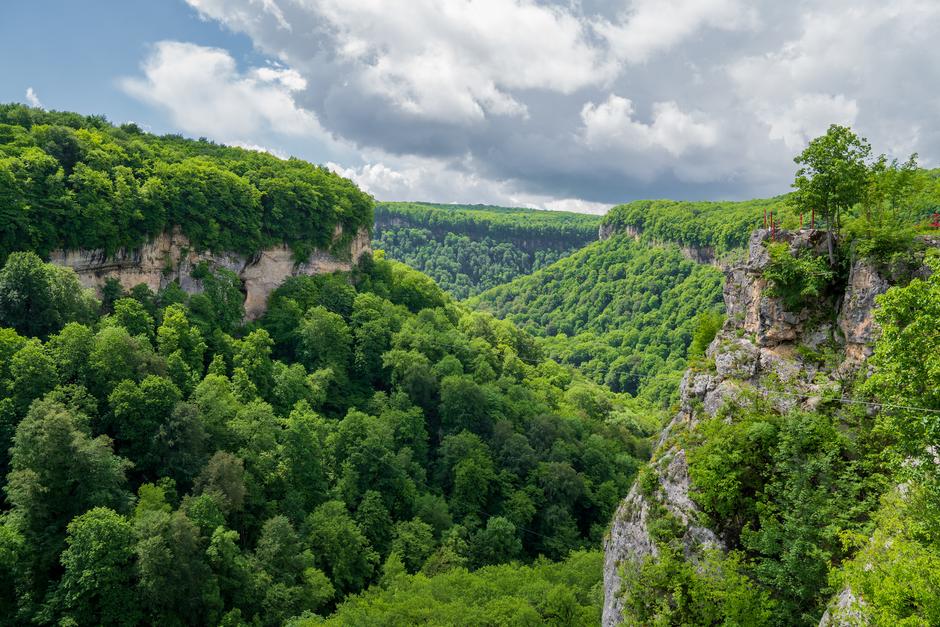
(170,257)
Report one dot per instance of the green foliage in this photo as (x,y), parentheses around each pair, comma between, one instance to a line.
(907,366)
(564,593)
(367,418)
(786,490)
(57,472)
(799,280)
(37,298)
(98,584)
(707,325)
(833,174)
(730,466)
(670,590)
(897,570)
(469,249)
(69,181)
(721,227)
(623,312)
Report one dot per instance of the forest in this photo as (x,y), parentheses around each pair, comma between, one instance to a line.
(725,226)
(69,181)
(167,465)
(374,450)
(624,312)
(467,249)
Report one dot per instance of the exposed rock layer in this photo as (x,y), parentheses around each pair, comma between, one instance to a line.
(170,257)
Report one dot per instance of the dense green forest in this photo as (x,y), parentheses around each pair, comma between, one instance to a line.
(372,451)
(163,464)
(544,593)
(470,248)
(73,181)
(622,311)
(722,226)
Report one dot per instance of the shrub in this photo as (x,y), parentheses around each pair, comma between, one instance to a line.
(796,279)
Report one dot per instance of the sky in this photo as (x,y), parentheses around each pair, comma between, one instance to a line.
(567,104)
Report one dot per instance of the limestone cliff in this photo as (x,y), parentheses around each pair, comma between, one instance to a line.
(760,350)
(170,257)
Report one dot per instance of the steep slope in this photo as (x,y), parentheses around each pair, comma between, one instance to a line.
(766,468)
(624,312)
(470,248)
(706,230)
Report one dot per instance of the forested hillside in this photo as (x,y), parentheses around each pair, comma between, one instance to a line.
(797,483)
(622,311)
(162,464)
(373,451)
(468,249)
(72,181)
(720,226)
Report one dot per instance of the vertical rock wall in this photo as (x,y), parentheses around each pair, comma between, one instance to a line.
(170,257)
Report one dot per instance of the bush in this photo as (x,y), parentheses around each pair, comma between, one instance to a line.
(707,325)
(796,279)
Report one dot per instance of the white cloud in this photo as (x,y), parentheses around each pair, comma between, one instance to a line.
(859,63)
(429,180)
(453,60)
(648,27)
(206,94)
(32,98)
(612,123)
(280,154)
(808,116)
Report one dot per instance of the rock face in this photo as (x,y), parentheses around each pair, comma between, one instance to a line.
(855,318)
(846,610)
(763,349)
(170,258)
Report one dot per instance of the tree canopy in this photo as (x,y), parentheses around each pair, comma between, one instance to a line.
(69,181)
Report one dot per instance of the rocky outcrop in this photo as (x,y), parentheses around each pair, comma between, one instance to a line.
(747,301)
(846,610)
(763,350)
(170,257)
(855,317)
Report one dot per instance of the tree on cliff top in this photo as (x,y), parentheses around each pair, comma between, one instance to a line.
(833,176)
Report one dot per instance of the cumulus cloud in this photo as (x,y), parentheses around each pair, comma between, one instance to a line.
(533,101)
(612,123)
(453,60)
(862,63)
(807,116)
(32,98)
(206,94)
(430,180)
(647,27)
